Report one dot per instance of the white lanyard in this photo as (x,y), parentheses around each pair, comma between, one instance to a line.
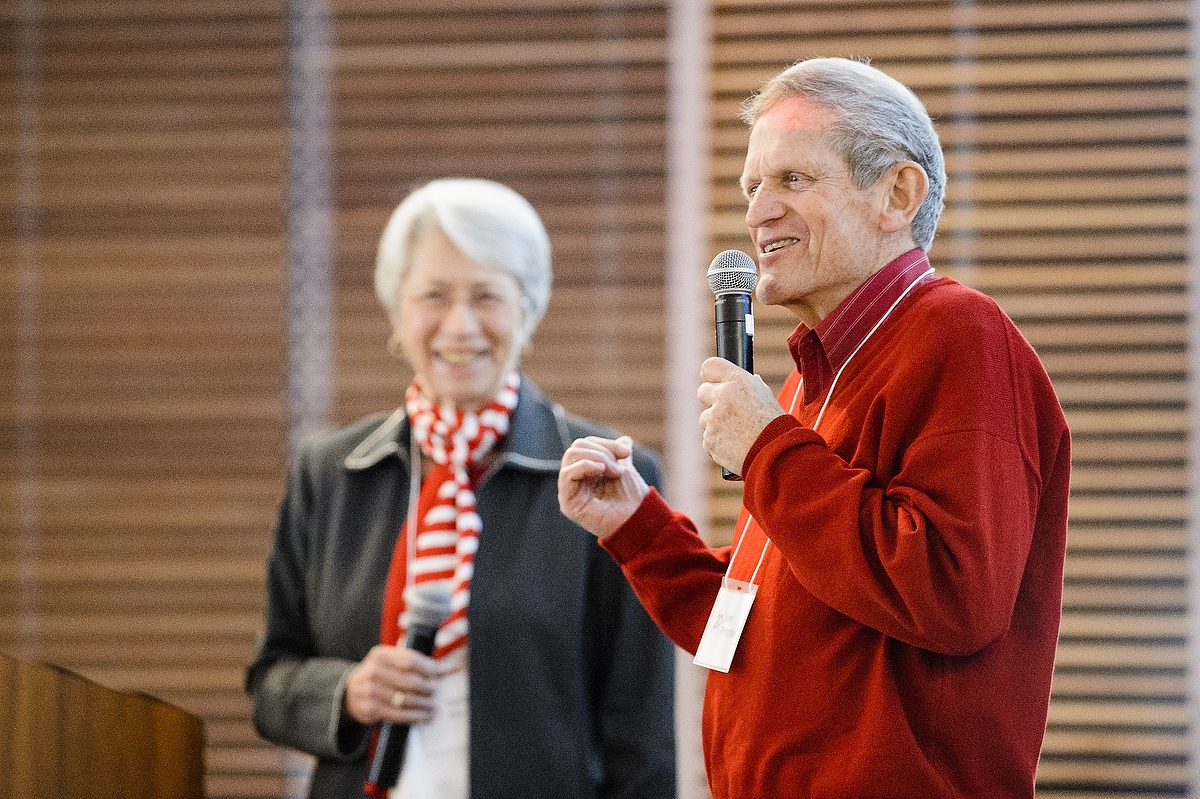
(735,597)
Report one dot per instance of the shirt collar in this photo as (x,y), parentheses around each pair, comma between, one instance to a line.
(821,351)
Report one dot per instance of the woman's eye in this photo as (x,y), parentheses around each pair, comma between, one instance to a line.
(489,299)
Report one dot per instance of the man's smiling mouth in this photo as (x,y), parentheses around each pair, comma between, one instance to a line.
(775,245)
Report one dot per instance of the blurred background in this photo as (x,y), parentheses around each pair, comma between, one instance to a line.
(192,194)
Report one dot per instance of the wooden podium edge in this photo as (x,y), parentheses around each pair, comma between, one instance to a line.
(62,734)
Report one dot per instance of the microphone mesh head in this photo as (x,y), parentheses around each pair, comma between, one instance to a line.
(732,272)
(428,604)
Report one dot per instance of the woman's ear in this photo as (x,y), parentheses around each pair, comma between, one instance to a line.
(394,347)
(395,342)
(906,185)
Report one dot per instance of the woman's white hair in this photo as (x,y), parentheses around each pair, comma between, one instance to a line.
(879,123)
(489,222)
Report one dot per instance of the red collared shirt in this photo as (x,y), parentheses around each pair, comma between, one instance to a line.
(821,351)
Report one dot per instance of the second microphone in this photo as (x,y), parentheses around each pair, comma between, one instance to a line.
(428,606)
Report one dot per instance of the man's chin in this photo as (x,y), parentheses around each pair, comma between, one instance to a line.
(764,292)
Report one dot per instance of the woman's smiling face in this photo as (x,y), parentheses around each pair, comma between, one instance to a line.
(458,322)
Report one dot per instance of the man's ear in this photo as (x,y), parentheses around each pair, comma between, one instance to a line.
(906,186)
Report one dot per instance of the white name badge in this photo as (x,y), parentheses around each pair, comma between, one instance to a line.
(725,623)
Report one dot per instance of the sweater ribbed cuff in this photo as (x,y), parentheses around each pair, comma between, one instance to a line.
(777,427)
(640,529)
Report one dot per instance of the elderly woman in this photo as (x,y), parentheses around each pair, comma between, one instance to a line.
(548,679)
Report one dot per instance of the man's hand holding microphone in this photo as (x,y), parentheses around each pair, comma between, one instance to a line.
(599,488)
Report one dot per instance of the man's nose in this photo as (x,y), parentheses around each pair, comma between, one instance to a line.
(764,206)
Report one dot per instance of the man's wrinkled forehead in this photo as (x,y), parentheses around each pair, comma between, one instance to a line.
(797,112)
(786,144)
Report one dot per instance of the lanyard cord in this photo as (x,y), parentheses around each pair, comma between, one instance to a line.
(414,496)
(828,396)
(882,319)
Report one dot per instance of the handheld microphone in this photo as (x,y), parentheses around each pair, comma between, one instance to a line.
(732,277)
(428,606)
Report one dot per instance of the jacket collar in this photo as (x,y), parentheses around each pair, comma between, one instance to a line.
(536,440)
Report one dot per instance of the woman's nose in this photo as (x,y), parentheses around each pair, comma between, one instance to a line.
(461,317)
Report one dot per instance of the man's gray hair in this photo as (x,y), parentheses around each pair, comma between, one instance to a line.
(879,122)
(489,222)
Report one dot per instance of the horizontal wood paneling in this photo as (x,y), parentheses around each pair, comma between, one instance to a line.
(144,434)
(142,459)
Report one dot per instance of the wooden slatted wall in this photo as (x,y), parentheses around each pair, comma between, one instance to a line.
(143,348)
(144,427)
(1064,126)
(564,100)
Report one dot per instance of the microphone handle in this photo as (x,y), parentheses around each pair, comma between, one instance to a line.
(735,338)
(393,738)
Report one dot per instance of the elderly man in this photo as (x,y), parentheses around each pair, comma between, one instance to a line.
(885,622)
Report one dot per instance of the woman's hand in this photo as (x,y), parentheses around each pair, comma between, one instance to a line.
(391,684)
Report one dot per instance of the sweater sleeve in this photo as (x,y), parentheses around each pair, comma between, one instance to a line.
(916,517)
(673,572)
(297,694)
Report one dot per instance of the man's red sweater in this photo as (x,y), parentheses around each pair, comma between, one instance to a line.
(902,640)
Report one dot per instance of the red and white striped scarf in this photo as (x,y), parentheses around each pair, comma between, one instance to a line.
(447,534)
